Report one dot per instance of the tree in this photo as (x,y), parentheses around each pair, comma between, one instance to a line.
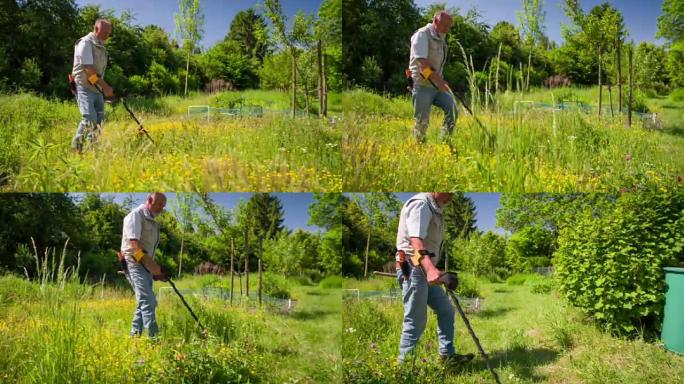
(529,248)
(329,36)
(671,21)
(189,24)
(482,254)
(371,29)
(602,29)
(248,29)
(264,216)
(504,33)
(650,66)
(531,19)
(185,215)
(459,217)
(274,11)
(343,220)
(224,61)
(328,210)
(380,211)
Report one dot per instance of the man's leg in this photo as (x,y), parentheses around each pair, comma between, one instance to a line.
(86,105)
(415,292)
(439,302)
(99,110)
(423,98)
(147,303)
(136,280)
(444,101)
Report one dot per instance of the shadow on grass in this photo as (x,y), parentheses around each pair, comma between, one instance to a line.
(314,314)
(522,361)
(490,313)
(318,293)
(674,130)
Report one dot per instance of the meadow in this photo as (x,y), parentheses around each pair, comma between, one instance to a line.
(190,152)
(63,331)
(525,146)
(530,333)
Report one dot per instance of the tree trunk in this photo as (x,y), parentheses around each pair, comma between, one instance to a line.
(261,255)
(294,82)
(180,254)
(325,87)
(365,269)
(247,275)
(306,95)
(610,98)
(319,51)
(631,87)
(187,72)
(619,73)
(529,67)
(600,84)
(232,271)
(246,264)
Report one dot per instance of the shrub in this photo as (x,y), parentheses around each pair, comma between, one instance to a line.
(519,278)
(677,95)
(539,284)
(468,286)
(276,286)
(14,289)
(610,264)
(331,282)
(482,254)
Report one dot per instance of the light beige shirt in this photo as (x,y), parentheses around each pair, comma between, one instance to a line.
(139,225)
(89,50)
(426,43)
(421,216)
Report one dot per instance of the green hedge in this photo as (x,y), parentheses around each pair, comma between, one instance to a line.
(610,264)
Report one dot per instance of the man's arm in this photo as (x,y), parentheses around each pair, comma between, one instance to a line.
(431,272)
(146,259)
(435,78)
(106,88)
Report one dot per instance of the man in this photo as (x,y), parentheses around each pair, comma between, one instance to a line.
(138,244)
(428,57)
(90,62)
(419,237)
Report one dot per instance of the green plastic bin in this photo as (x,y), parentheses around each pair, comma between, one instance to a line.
(673,323)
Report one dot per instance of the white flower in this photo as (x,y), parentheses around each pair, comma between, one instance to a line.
(350,330)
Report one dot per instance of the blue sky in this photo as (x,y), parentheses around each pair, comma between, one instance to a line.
(641,16)
(296,206)
(217,13)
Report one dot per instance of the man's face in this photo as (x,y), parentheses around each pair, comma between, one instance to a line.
(103,32)
(156,206)
(443,24)
(443,197)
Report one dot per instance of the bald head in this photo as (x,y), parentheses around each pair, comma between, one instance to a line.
(442,22)
(102,29)
(156,202)
(442,197)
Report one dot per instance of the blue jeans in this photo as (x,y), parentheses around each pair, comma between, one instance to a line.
(418,295)
(145,302)
(423,99)
(91,105)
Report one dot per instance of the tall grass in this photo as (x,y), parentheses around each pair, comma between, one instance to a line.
(237,153)
(535,149)
(74,339)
